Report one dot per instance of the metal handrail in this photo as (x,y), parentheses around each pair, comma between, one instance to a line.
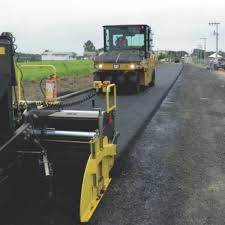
(29,66)
(26,66)
(108,90)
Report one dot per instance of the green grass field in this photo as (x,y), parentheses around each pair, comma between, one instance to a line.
(63,68)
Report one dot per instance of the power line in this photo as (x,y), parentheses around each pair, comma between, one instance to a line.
(216,33)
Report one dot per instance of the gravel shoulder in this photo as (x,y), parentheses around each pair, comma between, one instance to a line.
(174,174)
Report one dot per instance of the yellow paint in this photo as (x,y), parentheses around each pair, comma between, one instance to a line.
(29,66)
(18,78)
(108,90)
(147,67)
(96,177)
(2,50)
(122,66)
(97,84)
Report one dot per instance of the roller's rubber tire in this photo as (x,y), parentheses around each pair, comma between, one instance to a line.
(153,79)
(137,87)
(96,77)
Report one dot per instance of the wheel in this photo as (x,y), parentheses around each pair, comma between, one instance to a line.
(153,79)
(215,67)
(96,77)
(137,87)
(134,83)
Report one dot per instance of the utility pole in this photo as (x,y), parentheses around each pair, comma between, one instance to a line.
(216,33)
(205,56)
(199,47)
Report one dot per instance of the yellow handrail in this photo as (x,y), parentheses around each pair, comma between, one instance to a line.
(27,66)
(108,90)
(51,67)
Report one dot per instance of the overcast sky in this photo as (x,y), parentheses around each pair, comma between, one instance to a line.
(66,24)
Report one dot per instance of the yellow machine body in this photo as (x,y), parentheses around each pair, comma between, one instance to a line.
(146,68)
(131,64)
(98,154)
(59,153)
(96,177)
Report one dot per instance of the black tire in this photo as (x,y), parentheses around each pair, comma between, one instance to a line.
(153,79)
(137,87)
(134,85)
(96,77)
(215,67)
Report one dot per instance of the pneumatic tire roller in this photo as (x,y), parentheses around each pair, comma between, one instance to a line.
(128,59)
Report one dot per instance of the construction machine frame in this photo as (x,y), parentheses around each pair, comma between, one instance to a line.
(54,148)
(128,59)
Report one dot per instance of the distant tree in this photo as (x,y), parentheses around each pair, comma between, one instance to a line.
(199,53)
(222,53)
(100,49)
(24,57)
(181,54)
(89,46)
(162,56)
(209,53)
(171,55)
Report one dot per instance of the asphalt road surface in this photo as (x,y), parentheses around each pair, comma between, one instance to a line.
(175,172)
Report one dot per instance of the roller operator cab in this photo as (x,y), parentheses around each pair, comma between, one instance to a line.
(128,59)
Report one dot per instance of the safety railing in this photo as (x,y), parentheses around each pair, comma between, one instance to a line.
(112,107)
(20,68)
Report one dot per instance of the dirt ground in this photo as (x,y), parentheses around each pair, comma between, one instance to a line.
(65,85)
(220,72)
(174,174)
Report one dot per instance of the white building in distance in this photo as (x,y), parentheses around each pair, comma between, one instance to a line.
(52,55)
(213,56)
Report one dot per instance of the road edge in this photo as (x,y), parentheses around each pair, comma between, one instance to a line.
(144,123)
